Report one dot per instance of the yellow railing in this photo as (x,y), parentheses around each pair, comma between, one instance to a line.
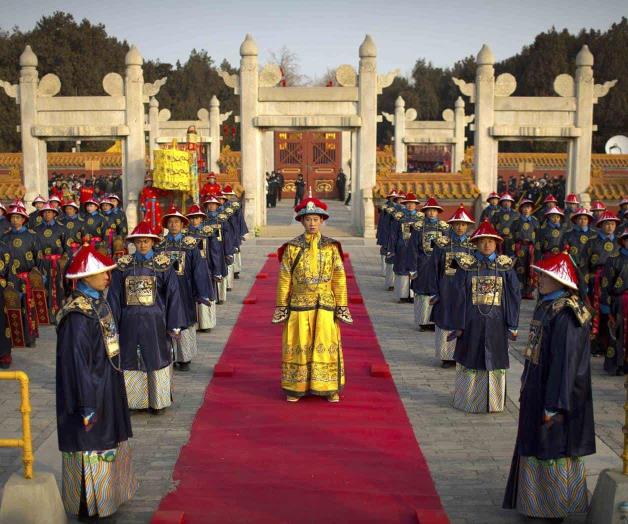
(25,442)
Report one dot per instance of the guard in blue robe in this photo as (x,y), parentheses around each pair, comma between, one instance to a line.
(93,423)
(441,271)
(423,238)
(485,314)
(194,285)
(146,301)
(403,248)
(556,428)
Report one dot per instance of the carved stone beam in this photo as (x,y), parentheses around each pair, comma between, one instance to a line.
(149,90)
(232,81)
(9,88)
(225,116)
(389,118)
(384,81)
(601,90)
(466,88)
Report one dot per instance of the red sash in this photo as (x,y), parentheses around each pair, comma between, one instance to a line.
(54,271)
(28,299)
(597,295)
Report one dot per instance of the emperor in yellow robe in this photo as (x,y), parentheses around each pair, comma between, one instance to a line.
(311,297)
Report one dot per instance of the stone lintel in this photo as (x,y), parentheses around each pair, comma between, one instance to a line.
(182,137)
(535,103)
(321,121)
(308,94)
(428,139)
(534,132)
(81,103)
(430,124)
(72,132)
(200,125)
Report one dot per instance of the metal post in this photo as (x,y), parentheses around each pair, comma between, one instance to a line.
(25,442)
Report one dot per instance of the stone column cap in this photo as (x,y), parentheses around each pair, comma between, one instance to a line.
(28,58)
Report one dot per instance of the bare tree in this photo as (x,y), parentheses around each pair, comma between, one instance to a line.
(328,78)
(288,61)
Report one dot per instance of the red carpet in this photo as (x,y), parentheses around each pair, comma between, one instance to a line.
(254,458)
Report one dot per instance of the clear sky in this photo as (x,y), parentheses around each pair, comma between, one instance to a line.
(326,33)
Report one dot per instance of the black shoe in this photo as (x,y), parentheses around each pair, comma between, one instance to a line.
(184,366)
(447,364)
(5,365)
(428,327)
(391,288)
(619,372)
(208,330)
(219,302)
(236,276)
(154,411)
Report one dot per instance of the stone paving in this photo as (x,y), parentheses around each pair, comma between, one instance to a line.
(468,455)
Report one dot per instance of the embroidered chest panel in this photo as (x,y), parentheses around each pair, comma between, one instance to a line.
(487,290)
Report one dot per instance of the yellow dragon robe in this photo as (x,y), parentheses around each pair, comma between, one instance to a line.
(311,297)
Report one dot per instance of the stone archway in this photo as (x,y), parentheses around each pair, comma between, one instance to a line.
(118,115)
(408,131)
(350,107)
(567,117)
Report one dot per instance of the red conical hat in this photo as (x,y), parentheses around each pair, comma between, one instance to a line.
(173,212)
(87,261)
(106,200)
(195,211)
(581,211)
(492,195)
(227,190)
(506,196)
(211,174)
(624,233)
(432,203)
(143,230)
(113,196)
(71,203)
(392,194)
(18,209)
(550,198)
(486,230)
(623,201)
(48,207)
(311,206)
(598,205)
(220,194)
(460,215)
(607,216)
(561,268)
(525,201)
(555,211)
(38,199)
(211,199)
(90,200)
(572,198)
(410,197)
(54,198)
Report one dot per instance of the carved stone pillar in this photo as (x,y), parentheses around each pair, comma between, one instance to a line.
(153,128)
(252,176)
(214,134)
(134,144)
(363,212)
(401,152)
(485,146)
(31,148)
(579,170)
(459,139)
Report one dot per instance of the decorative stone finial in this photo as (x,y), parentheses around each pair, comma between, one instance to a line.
(214,102)
(368,48)
(485,56)
(459,103)
(133,57)
(28,58)
(153,102)
(584,58)
(248,47)
(400,102)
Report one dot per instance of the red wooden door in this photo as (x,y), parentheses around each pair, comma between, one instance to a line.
(314,154)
